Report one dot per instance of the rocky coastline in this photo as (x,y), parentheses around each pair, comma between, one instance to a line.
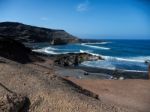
(35,82)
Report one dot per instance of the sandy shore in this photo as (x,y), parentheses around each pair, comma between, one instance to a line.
(132,94)
(80,74)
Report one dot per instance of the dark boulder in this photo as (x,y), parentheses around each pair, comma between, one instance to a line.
(74,59)
(14,103)
(14,50)
(147,61)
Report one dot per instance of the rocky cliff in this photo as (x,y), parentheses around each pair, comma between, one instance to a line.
(14,50)
(31,34)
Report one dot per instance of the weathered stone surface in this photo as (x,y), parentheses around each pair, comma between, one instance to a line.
(12,103)
(73,59)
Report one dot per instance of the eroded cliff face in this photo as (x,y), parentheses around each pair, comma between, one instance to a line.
(31,34)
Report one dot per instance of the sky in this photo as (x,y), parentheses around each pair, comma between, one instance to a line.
(83,18)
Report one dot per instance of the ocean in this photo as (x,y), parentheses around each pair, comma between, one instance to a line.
(118,54)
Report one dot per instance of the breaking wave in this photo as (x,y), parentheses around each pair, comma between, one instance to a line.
(96,47)
(98,43)
(141,59)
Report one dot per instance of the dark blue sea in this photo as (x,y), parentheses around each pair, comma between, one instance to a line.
(118,54)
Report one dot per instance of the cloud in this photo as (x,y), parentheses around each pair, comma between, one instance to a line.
(82,7)
(44,18)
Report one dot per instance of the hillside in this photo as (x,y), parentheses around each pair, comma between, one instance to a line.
(31,34)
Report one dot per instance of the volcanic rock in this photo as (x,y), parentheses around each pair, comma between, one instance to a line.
(74,59)
(32,34)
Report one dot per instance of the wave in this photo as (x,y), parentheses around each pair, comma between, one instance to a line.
(51,50)
(109,66)
(43,50)
(98,43)
(48,50)
(89,52)
(140,59)
(96,47)
(129,59)
(98,64)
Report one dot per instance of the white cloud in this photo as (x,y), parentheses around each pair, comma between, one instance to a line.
(82,7)
(44,18)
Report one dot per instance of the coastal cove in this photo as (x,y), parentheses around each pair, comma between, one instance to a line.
(71,75)
(74,55)
(117,54)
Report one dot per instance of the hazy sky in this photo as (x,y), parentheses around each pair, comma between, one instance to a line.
(82,17)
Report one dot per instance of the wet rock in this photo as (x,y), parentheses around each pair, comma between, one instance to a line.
(117,74)
(86,73)
(147,61)
(74,59)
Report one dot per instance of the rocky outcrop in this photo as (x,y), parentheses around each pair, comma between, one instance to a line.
(13,103)
(31,34)
(14,50)
(73,59)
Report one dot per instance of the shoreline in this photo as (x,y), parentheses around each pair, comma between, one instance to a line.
(40,82)
(127,74)
(93,73)
(39,87)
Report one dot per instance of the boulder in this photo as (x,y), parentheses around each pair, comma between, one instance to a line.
(74,59)
(13,103)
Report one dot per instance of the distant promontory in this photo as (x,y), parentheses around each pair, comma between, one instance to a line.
(32,34)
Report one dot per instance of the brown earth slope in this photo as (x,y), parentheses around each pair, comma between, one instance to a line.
(131,94)
(46,91)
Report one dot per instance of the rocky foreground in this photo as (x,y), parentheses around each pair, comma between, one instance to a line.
(35,87)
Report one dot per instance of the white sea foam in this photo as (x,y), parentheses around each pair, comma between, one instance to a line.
(98,64)
(51,50)
(135,71)
(106,65)
(96,47)
(89,52)
(98,43)
(109,66)
(44,51)
(141,59)
(48,50)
